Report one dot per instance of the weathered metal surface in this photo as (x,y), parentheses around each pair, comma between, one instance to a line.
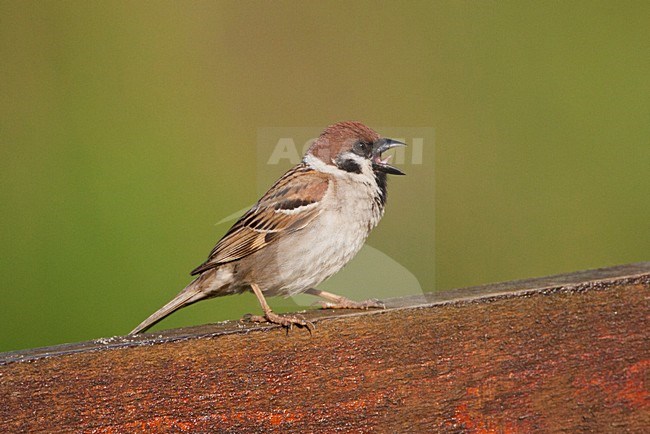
(566,353)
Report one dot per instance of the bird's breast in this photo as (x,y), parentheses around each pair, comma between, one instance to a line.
(331,240)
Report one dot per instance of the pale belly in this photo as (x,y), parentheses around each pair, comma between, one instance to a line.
(312,257)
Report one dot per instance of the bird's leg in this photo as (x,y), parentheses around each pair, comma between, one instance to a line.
(339,302)
(272,317)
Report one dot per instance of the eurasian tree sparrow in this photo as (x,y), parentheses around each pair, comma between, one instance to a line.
(309,225)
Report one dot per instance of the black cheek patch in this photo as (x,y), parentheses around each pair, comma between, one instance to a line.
(349,166)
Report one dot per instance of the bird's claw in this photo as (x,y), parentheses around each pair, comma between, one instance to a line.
(285,321)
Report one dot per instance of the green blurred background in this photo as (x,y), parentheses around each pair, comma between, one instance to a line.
(128,129)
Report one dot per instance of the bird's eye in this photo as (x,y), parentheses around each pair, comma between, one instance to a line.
(361,148)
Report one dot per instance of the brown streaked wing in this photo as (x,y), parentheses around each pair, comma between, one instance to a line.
(272,217)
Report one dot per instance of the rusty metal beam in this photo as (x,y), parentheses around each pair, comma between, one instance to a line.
(568,352)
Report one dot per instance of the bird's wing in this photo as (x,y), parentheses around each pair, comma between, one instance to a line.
(290,205)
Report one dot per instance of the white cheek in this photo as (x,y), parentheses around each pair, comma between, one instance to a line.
(319,165)
(365,165)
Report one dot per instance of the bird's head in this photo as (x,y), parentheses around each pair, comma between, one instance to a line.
(353,147)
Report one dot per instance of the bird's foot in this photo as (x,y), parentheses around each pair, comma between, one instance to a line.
(346,303)
(285,321)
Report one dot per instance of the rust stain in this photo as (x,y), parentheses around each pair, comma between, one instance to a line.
(635,389)
(157,424)
(474,417)
(471,421)
(278,419)
(628,387)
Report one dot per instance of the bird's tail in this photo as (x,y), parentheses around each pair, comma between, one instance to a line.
(191,294)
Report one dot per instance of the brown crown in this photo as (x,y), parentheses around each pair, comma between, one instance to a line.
(340,137)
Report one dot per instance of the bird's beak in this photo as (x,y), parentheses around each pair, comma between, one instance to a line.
(380,146)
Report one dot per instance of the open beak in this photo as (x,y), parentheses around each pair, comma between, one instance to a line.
(381,165)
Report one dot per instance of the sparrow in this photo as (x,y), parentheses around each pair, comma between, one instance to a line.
(307,227)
